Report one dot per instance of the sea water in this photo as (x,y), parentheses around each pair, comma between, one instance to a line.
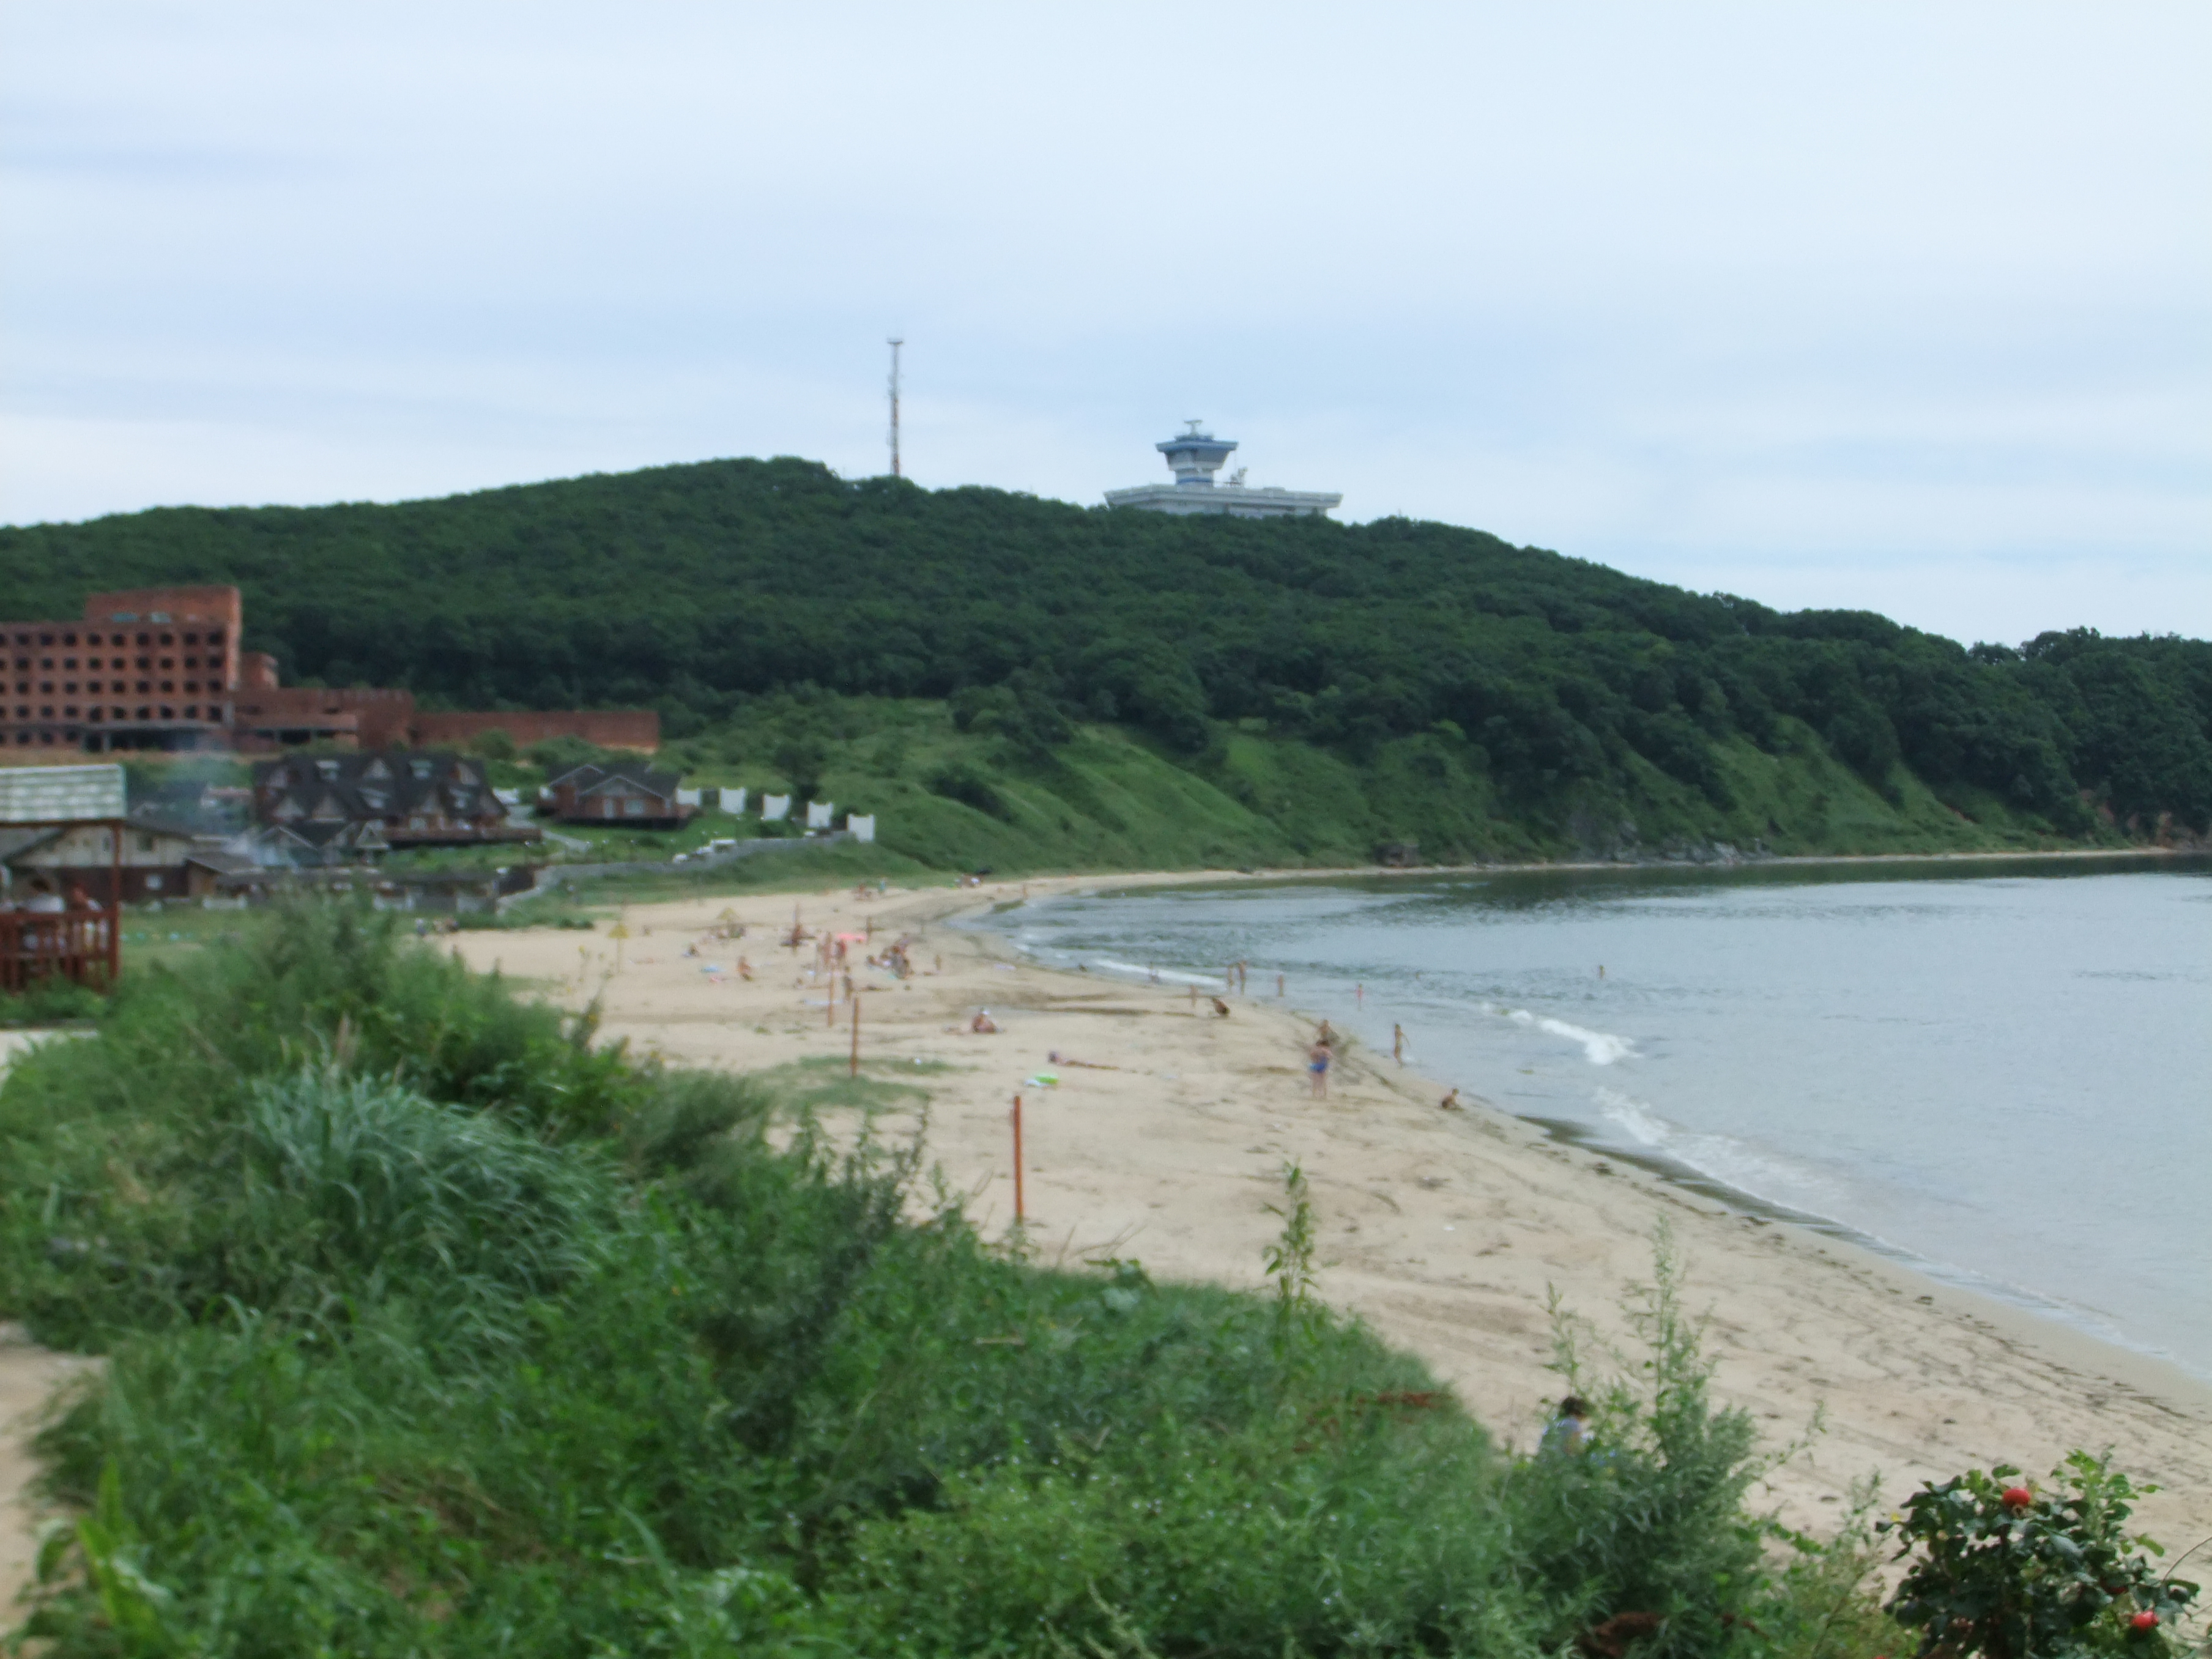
(2000,1071)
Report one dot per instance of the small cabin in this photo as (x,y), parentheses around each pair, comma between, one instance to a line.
(634,796)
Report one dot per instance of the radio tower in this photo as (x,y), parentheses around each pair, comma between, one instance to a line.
(895,345)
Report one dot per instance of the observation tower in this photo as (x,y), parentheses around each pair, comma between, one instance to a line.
(1195,456)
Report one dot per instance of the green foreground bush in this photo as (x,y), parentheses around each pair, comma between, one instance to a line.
(433,1328)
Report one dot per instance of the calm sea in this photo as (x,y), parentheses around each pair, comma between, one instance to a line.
(2000,1071)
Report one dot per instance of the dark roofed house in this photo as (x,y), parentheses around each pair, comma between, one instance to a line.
(632,795)
(357,805)
(84,858)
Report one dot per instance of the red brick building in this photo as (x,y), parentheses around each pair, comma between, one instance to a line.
(151,668)
(161,668)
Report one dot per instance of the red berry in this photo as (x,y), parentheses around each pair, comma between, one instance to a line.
(2144,1620)
(2016,1498)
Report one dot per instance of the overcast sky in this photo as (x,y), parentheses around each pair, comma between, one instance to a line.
(1895,306)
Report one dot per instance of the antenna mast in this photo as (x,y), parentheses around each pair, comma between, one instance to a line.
(895,345)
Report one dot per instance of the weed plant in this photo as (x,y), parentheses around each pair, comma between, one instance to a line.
(434,1329)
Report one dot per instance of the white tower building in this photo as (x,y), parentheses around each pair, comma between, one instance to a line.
(1195,457)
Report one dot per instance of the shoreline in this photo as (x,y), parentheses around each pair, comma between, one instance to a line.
(2042,1310)
(2152,1372)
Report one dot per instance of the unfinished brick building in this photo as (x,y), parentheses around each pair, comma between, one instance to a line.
(151,668)
(161,668)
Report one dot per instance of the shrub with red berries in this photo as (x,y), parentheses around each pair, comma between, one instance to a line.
(2001,1569)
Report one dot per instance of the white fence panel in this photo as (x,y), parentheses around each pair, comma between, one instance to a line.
(861,829)
(775,808)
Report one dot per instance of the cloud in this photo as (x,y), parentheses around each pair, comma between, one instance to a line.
(1892,301)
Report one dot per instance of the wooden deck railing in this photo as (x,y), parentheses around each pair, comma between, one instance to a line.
(83,945)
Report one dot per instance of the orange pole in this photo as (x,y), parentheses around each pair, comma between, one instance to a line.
(1018,1157)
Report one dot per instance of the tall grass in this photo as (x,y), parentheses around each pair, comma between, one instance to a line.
(434,1329)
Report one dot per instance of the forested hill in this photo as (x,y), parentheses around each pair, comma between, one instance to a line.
(1551,679)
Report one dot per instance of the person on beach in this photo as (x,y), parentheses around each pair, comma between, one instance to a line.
(1570,1432)
(1398,1044)
(983,1024)
(1317,1060)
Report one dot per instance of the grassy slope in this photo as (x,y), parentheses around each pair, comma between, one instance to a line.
(1113,799)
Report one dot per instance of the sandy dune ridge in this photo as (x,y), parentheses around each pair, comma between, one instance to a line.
(1442,1229)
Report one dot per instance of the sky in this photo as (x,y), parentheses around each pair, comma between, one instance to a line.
(1902,308)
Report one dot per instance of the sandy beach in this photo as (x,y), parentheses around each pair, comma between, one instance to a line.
(1165,1137)
(1442,1229)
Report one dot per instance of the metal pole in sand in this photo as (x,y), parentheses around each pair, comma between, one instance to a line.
(855,1069)
(1018,1158)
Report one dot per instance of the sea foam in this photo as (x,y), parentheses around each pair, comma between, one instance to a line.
(1599,1047)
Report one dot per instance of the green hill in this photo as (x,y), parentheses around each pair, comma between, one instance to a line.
(1025,681)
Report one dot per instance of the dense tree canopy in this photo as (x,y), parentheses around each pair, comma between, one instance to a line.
(690,587)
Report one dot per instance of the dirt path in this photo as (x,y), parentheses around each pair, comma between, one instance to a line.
(29,1377)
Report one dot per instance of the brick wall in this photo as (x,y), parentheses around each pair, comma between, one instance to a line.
(610,728)
(375,718)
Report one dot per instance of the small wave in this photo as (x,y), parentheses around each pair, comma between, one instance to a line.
(1719,1157)
(1642,1124)
(1599,1047)
(1165,976)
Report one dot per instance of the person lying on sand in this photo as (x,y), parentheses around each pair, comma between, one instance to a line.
(1219,1006)
(1056,1057)
(983,1024)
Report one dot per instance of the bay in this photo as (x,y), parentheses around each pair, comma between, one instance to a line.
(1999,1071)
